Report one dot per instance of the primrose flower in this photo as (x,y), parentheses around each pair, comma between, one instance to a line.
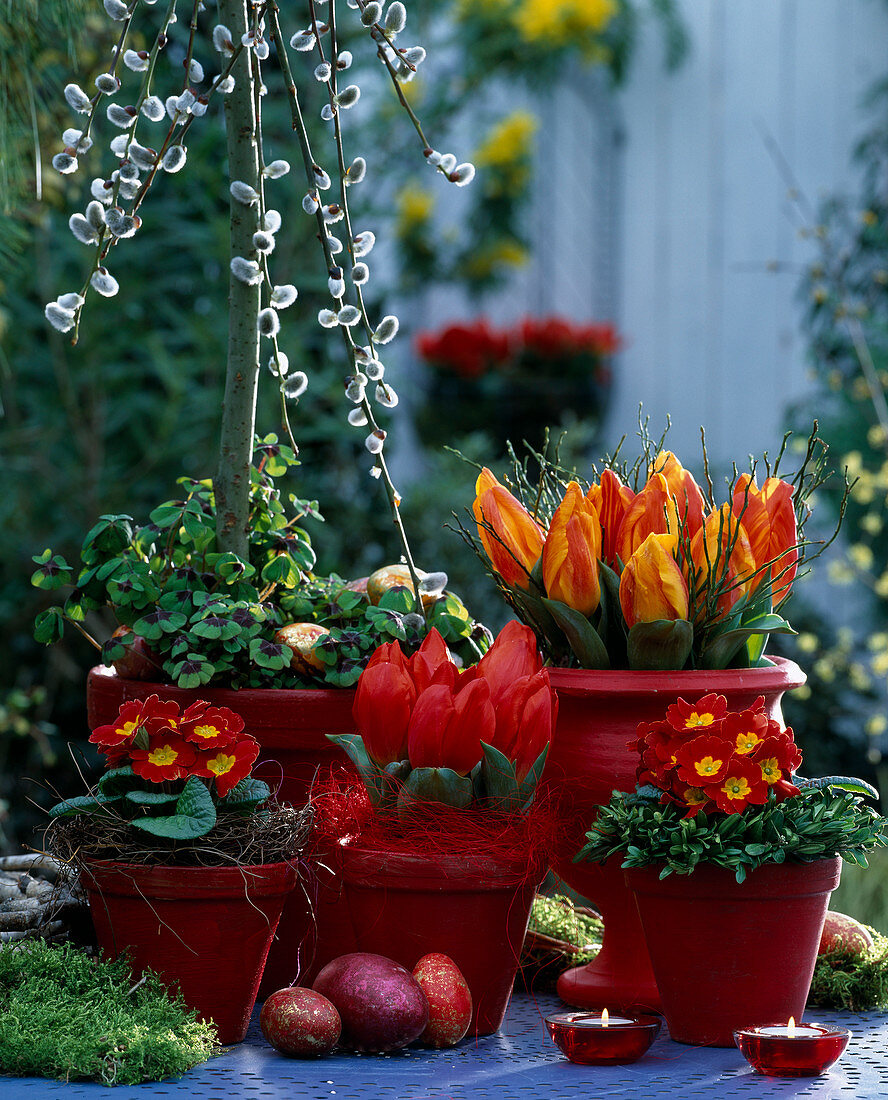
(166,757)
(707,711)
(228,765)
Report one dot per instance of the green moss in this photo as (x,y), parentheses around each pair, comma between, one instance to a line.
(66,1015)
(852,980)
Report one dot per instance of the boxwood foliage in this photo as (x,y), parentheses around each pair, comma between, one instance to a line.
(818,823)
(65,1014)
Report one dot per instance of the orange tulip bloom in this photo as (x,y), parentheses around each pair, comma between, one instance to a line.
(610,499)
(652,512)
(516,542)
(571,552)
(652,587)
(711,564)
(770,521)
(686,493)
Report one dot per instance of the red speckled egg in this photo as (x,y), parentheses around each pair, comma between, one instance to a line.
(449,997)
(382,1006)
(300,1022)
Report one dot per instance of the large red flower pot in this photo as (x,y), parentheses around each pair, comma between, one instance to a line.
(728,955)
(598,714)
(206,930)
(404,906)
(291,728)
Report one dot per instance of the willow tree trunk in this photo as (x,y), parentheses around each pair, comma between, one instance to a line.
(232,483)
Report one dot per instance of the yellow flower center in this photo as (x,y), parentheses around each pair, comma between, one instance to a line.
(694,719)
(707,766)
(128,728)
(207,732)
(746,742)
(694,796)
(163,755)
(736,787)
(221,764)
(770,770)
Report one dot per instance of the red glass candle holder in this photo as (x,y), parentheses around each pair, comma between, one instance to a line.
(589,1040)
(779,1050)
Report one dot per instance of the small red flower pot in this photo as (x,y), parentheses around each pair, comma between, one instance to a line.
(206,930)
(291,728)
(598,713)
(730,955)
(476,911)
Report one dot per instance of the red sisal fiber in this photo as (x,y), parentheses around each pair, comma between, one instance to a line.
(479,835)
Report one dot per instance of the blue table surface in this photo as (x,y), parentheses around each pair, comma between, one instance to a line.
(518,1063)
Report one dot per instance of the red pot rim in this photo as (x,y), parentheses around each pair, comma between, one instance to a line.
(227,697)
(782,675)
(709,881)
(136,880)
(450,872)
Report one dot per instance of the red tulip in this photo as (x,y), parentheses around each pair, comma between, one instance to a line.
(769,518)
(383,704)
(446,730)
(525,718)
(431,663)
(512,656)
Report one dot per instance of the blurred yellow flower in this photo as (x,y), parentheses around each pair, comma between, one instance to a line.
(825,670)
(872,523)
(877,436)
(508,141)
(861,556)
(869,217)
(563,22)
(879,664)
(876,725)
(858,677)
(840,572)
(506,252)
(414,206)
(881,586)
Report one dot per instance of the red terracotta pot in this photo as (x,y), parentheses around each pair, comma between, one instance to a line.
(598,714)
(206,930)
(405,906)
(290,725)
(728,955)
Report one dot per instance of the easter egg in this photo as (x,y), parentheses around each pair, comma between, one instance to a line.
(449,997)
(841,932)
(300,1022)
(381,1004)
(301,638)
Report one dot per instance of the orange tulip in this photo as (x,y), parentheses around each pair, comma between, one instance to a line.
(686,493)
(610,499)
(770,521)
(652,586)
(711,564)
(571,552)
(516,541)
(652,512)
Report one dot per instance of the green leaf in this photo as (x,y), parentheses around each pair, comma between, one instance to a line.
(195,815)
(246,795)
(722,647)
(585,643)
(118,781)
(86,803)
(49,626)
(664,644)
(381,784)
(150,798)
(399,598)
(497,777)
(435,785)
(54,571)
(282,570)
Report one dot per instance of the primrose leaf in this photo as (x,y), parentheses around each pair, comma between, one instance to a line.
(195,815)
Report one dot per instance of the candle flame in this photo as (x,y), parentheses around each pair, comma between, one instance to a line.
(790,1027)
(604,1017)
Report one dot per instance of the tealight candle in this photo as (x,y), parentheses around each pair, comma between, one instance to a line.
(792,1050)
(593,1039)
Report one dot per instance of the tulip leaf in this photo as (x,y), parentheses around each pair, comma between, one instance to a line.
(722,649)
(540,619)
(435,785)
(381,784)
(587,646)
(612,626)
(528,785)
(499,782)
(662,645)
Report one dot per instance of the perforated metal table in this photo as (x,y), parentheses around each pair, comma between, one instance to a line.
(520,1063)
